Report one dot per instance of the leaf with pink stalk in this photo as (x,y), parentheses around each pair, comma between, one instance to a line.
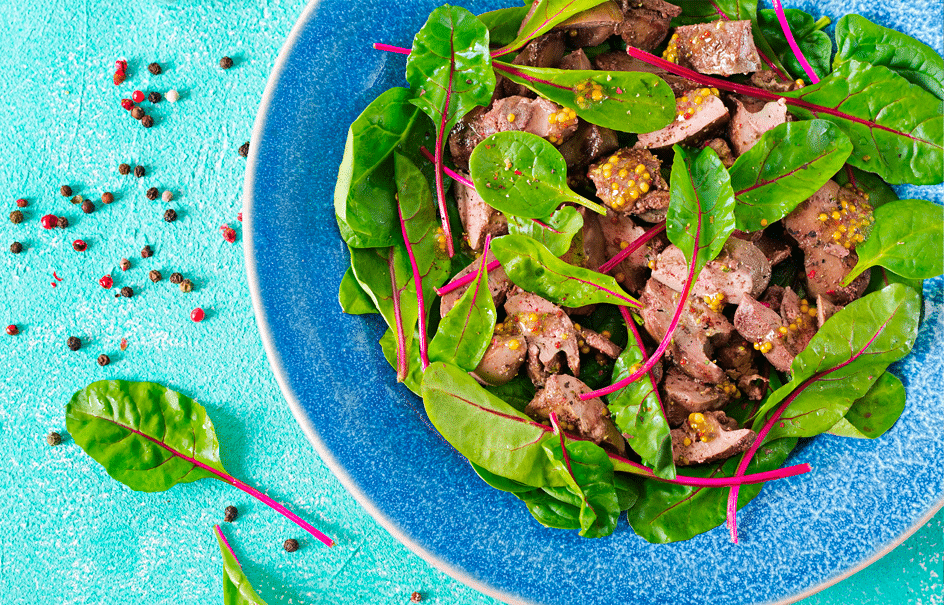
(236,587)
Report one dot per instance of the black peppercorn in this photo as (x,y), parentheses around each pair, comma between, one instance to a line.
(176,278)
(416,597)
(16,247)
(77,199)
(154,97)
(16,217)
(230,514)
(155,275)
(170,215)
(290,545)
(137,113)
(155,69)
(127,292)
(74,343)
(124,169)
(152,193)
(139,171)
(62,222)
(53,438)
(125,264)
(65,190)
(146,252)
(186,286)
(108,197)
(226,63)
(104,360)
(244,149)
(88,207)
(147,121)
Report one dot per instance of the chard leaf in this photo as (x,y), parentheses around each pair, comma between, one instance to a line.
(354,300)
(702,202)
(533,267)
(814,43)
(842,361)
(896,128)
(666,512)
(364,201)
(859,39)
(518,392)
(500,483)
(878,190)
(549,510)
(787,165)
(236,587)
(542,17)
(632,101)
(876,412)
(521,174)
(907,238)
(503,24)
(882,278)
(588,477)
(414,376)
(555,233)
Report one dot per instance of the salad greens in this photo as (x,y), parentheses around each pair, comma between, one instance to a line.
(236,587)
(872,117)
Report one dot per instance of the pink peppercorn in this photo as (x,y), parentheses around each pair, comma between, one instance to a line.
(239,217)
(229,234)
(49,221)
(21,203)
(127,104)
(12,330)
(79,245)
(197,315)
(106,282)
(137,96)
(121,66)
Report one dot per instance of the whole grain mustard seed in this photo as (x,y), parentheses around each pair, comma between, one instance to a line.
(16,247)
(108,197)
(226,63)
(139,171)
(170,215)
(16,217)
(77,199)
(127,292)
(155,275)
(124,169)
(151,193)
(53,439)
(290,545)
(186,286)
(65,191)
(104,360)
(73,343)
(176,278)
(146,252)
(155,68)
(147,121)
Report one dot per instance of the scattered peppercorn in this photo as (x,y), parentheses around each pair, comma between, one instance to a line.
(229,234)
(124,169)
(186,286)
(108,197)
(147,121)
(167,196)
(230,514)
(16,217)
(197,315)
(21,203)
(137,96)
(73,343)
(127,292)
(88,207)
(176,278)
(127,104)
(62,222)
(118,78)
(146,252)
(16,247)
(121,66)
(244,149)
(170,215)
(12,330)
(125,264)
(151,193)
(172,95)
(154,97)
(106,282)
(77,199)
(290,545)
(53,438)
(65,190)
(155,68)
(155,275)
(137,113)
(416,597)
(104,360)
(239,217)
(79,245)
(226,63)
(139,171)
(48,221)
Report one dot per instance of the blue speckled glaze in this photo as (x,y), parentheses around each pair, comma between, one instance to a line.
(797,536)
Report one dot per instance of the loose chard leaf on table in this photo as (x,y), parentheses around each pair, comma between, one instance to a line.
(896,128)
(860,39)
(236,587)
(632,101)
(814,43)
(542,17)
(534,268)
(556,233)
(787,165)
(522,174)
(872,415)
(907,238)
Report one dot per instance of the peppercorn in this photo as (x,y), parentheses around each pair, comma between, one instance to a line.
(151,193)
(154,97)
(244,149)
(118,78)
(73,343)
(230,514)
(79,245)
(124,169)
(167,196)
(137,113)
(290,545)
(21,203)
(137,96)
(106,282)
(48,221)
(88,207)
(16,217)
(125,264)
(197,315)
(186,285)
(139,171)
(62,222)
(226,63)
(104,360)
(155,68)
(176,278)
(172,95)
(16,247)
(147,121)
(12,330)
(65,190)
(108,197)
(416,597)
(77,199)
(155,275)
(127,292)
(146,252)
(53,438)
(170,215)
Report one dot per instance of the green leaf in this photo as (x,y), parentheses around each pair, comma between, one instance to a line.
(534,268)
(500,483)
(521,174)
(632,101)
(141,433)
(896,128)
(882,278)
(450,68)
(787,165)
(503,24)
(364,201)
(354,300)
(466,331)
(518,392)
(556,235)
(543,17)
(588,477)
(876,412)
(907,238)
(842,361)
(372,268)
(236,587)
(669,513)
(877,190)
(547,507)
(859,39)
(414,377)
(702,202)
(814,43)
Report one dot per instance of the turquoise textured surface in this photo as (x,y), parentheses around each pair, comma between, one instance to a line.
(68,533)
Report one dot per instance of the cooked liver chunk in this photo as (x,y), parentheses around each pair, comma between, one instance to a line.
(723,48)
(588,419)
(759,324)
(721,147)
(576,60)
(685,395)
(547,330)
(543,51)
(646,22)
(741,268)
(699,114)
(619,231)
(768,80)
(628,181)
(478,218)
(587,144)
(747,126)
(709,437)
(504,357)
(593,26)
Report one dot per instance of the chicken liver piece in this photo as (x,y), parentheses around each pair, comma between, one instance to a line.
(588,419)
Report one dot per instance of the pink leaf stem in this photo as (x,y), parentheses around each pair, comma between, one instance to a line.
(452,173)
(219,532)
(782,17)
(438,163)
(402,369)
(511,70)
(638,243)
(391,49)
(559,431)
(628,318)
(465,279)
(418,283)
(770,63)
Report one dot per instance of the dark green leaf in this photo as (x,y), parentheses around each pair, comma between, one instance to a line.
(907,238)
(518,392)
(627,490)
(607,318)
(632,101)
(354,300)
(896,128)
(877,190)
(882,278)
(414,377)
(702,203)
(544,16)
(814,43)
(372,269)
(503,24)
(236,587)
(860,39)
(139,432)
(522,174)
(466,331)
(549,510)
(786,166)
(588,477)
(556,233)
(531,266)
(872,415)
(500,483)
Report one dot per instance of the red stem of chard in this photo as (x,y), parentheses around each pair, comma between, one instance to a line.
(418,283)
(638,243)
(466,279)
(782,17)
(219,533)
(452,173)
(391,49)
(402,365)
(628,318)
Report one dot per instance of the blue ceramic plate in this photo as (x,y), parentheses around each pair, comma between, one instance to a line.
(798,536)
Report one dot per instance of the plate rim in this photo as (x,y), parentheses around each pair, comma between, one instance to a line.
(339,471)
